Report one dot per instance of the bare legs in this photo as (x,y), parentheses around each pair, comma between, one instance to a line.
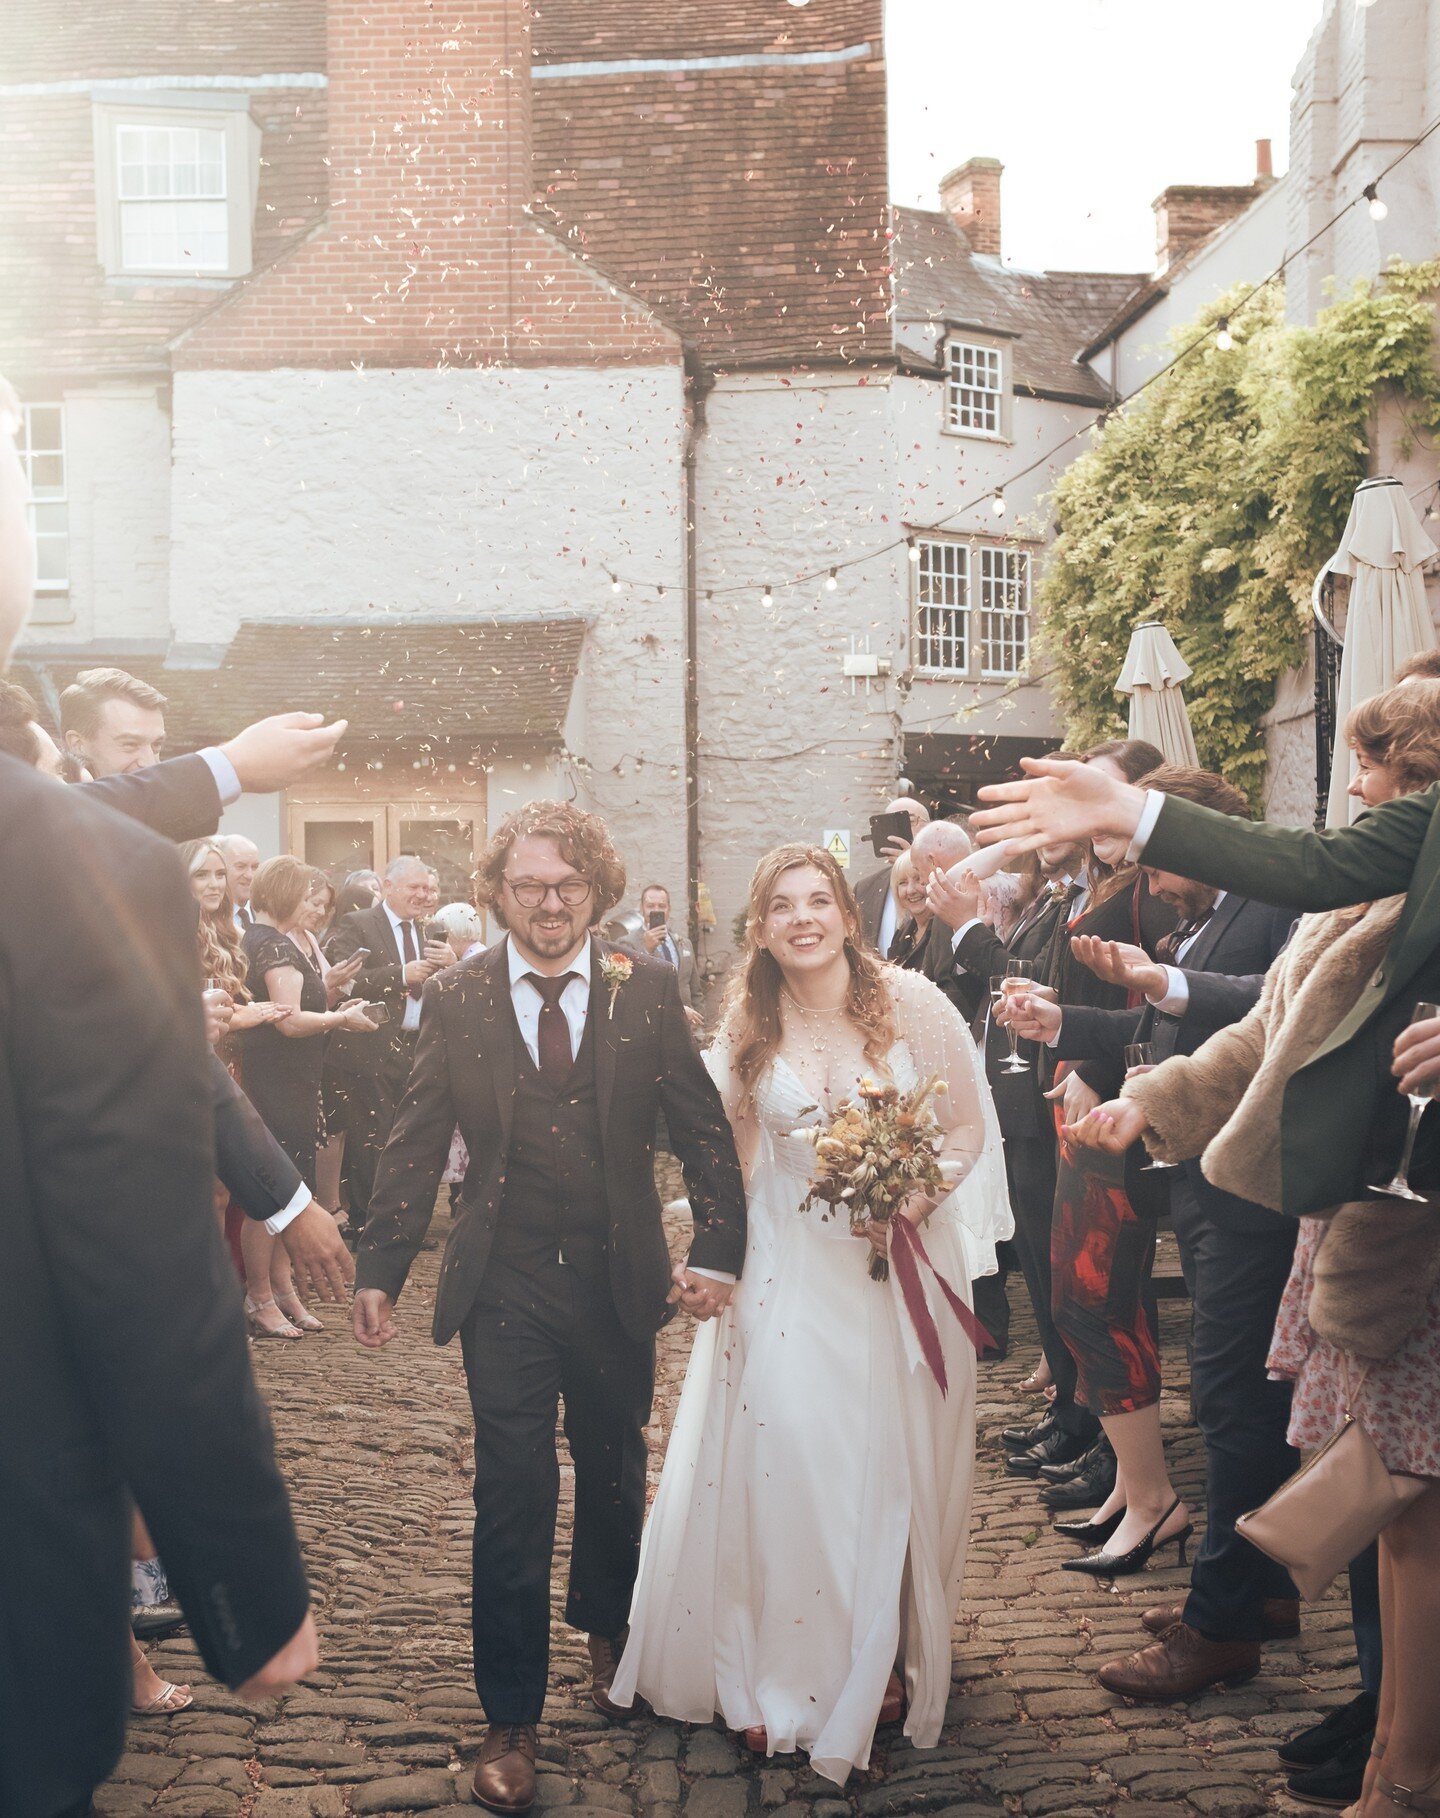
(1409,1717)
(267,1273)
(1142,1482)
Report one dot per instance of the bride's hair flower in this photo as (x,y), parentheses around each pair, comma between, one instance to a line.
(615,969)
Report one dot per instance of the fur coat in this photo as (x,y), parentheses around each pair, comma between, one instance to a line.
(1379,1259)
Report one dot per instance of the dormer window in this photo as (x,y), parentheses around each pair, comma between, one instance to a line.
(976,391)
(175,181)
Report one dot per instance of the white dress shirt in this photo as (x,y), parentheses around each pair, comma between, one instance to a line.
(1145,826)
(301,1199)
(227,779)
(412,1004)
(575,1003)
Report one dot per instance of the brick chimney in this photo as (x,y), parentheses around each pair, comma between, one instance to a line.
(427,255)
(1187,214)
(970,195)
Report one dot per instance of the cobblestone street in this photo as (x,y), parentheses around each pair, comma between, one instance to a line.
(375,1449)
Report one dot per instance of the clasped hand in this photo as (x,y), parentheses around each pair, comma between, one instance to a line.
(701,1295)
(1113,1126)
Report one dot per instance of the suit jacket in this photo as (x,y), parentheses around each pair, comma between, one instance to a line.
(937,962)
(870,895)
(176,798)
(122,1351)
(982,954)
(1224,970)
(1341,1116)
(382,980)
(645,1062)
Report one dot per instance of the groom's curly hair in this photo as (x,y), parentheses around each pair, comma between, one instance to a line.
(584,842)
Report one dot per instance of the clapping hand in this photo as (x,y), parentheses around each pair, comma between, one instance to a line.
(1120,963)
(955,899)
(1059,803)
(701,1296)
(1417,1057)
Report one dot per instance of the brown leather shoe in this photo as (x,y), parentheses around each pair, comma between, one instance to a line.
(505,1773)
(1182,1663)
(1279,1618)
(604,1658)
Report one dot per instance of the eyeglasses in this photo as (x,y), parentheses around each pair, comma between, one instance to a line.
(572,891)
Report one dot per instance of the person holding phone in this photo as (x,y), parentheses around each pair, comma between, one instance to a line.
(662,941)
(880,915)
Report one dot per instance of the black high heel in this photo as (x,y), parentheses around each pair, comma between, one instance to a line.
(1118,1565)
(1090,1533)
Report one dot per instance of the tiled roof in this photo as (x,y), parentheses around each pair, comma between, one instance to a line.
(1051,315)
(59,40)
(486,682)
(746,203)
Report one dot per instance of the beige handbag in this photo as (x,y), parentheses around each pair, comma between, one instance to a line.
(1332,1508)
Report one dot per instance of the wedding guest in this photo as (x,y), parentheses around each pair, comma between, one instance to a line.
(326,900)
(1005,898)
(665,943)
(242,861)
(908,947)
(281,1066)
(1424,666)
(464,928)
(1363,1297)
(360,890)
(113,722)
(937,847)
(874,894)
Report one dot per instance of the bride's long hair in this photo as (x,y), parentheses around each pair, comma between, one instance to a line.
(751,1022)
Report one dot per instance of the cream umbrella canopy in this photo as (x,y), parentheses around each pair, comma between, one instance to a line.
(1382,551)
(1153,672)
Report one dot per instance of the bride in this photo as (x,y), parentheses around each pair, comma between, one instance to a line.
(809,1532)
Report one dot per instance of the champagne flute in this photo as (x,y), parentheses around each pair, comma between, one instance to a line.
(1399,1187)
(1018,975)
(1142,1055)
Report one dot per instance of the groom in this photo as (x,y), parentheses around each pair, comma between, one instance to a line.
(553,1053)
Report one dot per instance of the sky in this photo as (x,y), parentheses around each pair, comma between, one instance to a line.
(1093,107)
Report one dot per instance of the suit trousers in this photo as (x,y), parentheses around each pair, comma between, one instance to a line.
(1236,1277)
(1030,1170)
(531,1341)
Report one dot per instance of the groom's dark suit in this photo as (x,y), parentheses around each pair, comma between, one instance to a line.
(556,1275)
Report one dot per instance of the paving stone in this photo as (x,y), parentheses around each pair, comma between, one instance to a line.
(717,1798)
(405,1793)
(198,1802)
(659,1783)
(710,1752)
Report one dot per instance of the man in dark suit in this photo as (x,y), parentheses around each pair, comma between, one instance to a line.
(373,1070)
(1235,1256)
(554,1053)
(880,916)
(937,847)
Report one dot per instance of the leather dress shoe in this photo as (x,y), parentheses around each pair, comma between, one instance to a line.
(1323,1741)
(604,1658)
(154,1621)
(505,1773)
(1180,1664)
(1058,1448)
(1077,1467)
(1279,1621)
(1020,1439)
(1087,1491)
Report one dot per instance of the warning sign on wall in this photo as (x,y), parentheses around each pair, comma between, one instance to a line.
(836,841)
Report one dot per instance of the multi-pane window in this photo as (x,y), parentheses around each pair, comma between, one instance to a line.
(974,388)
(42,455)
(170,181)
(972,599)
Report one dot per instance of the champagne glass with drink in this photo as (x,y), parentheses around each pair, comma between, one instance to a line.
(1141,1056)
(1398,1187)
(1018,977)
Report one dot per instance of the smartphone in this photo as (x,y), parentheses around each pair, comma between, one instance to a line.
(886,827)
(359,953)
(436,931)
(378,1013)
(657,918)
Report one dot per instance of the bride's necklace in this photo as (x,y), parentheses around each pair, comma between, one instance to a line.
(813,1034)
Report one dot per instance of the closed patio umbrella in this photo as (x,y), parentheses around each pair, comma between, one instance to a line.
(1153,672)
(1382,551)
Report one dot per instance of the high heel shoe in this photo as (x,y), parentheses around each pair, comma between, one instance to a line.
(298,1313)
(1090,1532)
(1410,1798)
(1118,1565)
(254,1309)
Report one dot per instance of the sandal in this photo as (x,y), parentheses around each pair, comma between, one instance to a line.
(167,1702)
(298,1313)
(255,1311)
(1410,1798)
(1038,1381)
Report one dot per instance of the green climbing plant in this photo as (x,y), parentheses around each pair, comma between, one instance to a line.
(1210,503)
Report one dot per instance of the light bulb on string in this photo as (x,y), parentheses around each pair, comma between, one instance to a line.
(1224,340)
(767,598)
(614,583)
(832,581)
(912,549)
(997,503)
(1378,208)
(1432,510)
(660,591)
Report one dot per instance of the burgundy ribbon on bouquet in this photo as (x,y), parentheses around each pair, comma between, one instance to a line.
(907,1253)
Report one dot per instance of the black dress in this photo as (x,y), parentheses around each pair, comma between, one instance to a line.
(282,1073)
(1102,1238)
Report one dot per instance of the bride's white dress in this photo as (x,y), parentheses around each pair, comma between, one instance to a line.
(811,1521)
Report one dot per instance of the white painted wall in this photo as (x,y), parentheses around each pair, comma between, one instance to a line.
(412,495)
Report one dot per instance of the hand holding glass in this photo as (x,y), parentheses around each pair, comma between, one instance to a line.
(1018,974)
(1140,1058)
(1398,1187)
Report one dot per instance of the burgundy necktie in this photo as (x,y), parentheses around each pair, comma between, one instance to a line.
(411,952)
(553,1046)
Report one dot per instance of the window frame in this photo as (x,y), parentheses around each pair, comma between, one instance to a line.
(969,554)
(54,592)
(227,114)
(958,342)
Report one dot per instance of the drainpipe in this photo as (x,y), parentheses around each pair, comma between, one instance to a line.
(697,384)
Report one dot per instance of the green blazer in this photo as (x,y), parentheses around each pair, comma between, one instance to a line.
(1342,1118)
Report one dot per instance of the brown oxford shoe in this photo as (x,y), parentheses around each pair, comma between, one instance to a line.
(1182,1663)
(505,1773)
(1279,1618)
(604,1658)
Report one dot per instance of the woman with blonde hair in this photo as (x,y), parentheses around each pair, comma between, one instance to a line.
(809,1532)
(1359,1323)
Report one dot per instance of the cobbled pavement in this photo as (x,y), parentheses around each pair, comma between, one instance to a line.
(375,1450)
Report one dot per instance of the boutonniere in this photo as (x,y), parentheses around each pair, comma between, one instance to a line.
(615,969)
